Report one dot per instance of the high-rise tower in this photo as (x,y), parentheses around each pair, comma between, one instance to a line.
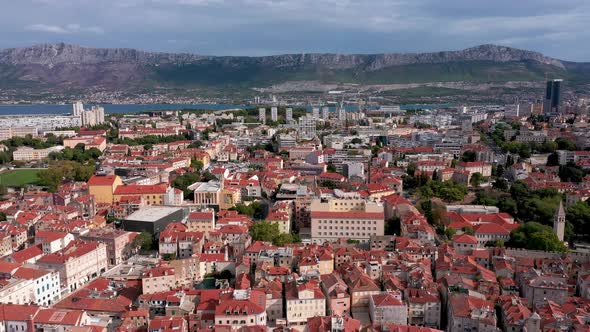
(552,102)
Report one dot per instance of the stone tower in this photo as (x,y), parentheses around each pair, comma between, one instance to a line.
(559,222)
(533,323)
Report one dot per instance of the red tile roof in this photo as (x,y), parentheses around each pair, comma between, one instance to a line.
(99,180)
(136,189)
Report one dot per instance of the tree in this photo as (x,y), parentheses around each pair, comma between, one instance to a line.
(2,216)
(535,236)
(476,179)
(450,232)
(578,215)
(143,240)
(196,144)
(565,144)
(284,238)
(469,156)
(197,164)
(254,209)
(392,226)
(50,178)
(265,231)
(500,184)
(571,173)
(411,170)
(553,159)
(468,230)
(331,168)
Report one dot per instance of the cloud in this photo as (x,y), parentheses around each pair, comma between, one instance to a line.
(45,28)
(71,28)
(253,27)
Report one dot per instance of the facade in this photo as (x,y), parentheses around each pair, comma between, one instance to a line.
(354,219)
(118,243)
(203,221)
(245,308)
(153,219)
(552,101)
(386,308)
(304,300)
(26,153)
(468,313)
(103,187)
(77,263)
(158,279)
(152,194)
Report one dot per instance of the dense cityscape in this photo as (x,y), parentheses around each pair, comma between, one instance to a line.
(296,216)
(294,166)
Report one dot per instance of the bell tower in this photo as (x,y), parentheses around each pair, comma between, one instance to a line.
(559,222)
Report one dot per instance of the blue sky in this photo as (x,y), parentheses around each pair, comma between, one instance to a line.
(558,28)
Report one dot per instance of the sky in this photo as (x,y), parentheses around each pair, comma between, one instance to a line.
(557,28)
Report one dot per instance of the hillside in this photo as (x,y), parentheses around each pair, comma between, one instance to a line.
(70,66)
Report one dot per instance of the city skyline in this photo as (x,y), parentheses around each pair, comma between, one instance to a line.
(256,27)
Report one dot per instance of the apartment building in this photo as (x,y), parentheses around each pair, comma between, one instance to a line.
(152,194)
(103,187)
(77,263)
(355,219)
(304,300)
(25,153)
(118,242)
(245,308)
(201,221)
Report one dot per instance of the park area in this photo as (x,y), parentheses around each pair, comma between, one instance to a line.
(19,177)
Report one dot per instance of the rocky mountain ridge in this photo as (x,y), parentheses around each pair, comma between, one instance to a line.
(56,54)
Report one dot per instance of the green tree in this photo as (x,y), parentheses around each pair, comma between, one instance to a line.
(264,231)
(565,144)
(283,239)
(571,173)
(468,156)
(476,179)
(196,144)
(468,230)
(197,164)
(450,232)
(500,184)
(578,215)
(143,240)
(331,168)
(535,236)
(392,226)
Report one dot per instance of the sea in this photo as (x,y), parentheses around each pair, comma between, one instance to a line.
(136,108)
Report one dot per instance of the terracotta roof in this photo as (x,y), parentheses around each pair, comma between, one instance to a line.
(136,189)
(99,180)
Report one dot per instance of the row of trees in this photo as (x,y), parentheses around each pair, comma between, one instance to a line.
(57,172)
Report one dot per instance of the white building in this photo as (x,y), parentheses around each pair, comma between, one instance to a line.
(274,114)
(288,114)
(262,115)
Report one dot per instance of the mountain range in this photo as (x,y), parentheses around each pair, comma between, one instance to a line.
(71,66)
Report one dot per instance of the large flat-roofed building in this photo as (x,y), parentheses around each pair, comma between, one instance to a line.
(25,153)
(354,219)
(153,219)
(9,132)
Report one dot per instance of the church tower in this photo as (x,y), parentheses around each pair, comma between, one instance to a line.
(559,222)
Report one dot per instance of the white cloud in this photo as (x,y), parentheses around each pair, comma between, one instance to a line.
(45,28)
(72,28)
